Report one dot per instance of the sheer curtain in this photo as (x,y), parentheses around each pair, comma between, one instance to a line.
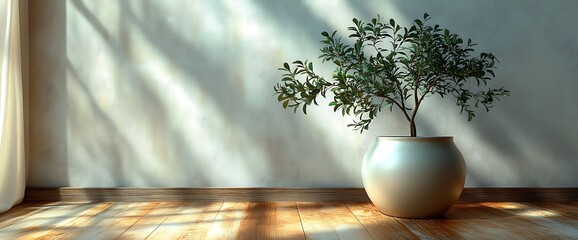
(12,162)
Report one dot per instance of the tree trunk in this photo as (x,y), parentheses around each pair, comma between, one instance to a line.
(412,128)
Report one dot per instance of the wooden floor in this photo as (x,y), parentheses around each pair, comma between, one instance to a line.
(283,220)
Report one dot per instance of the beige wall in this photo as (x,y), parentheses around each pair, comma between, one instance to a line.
(179,93)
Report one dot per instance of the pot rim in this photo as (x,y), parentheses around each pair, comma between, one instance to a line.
(415,139)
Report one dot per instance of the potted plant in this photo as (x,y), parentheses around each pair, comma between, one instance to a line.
(392,66)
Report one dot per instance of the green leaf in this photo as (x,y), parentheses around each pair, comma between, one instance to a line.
(418,22)
(471,115)
(280,97)
(424,57)
(491,72)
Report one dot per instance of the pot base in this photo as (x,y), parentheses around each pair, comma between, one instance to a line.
(412,177)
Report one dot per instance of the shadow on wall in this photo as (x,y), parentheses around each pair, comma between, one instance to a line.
(120,119)
(249,126)
(530,135)
(47,93)
(154,94)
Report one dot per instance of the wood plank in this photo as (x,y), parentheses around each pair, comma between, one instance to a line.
(379,225)
(20,211)
(330,221)
(41,220)
(428,229)
(228,220)
(271,220)
(315,223)
(493,221)
(284,220)
(516,225)
(467,225)
(288,221)
(568,209)
(112,223)
(259,221)
(543,221)
(60,229)
(154,218)
(190,220)
(553,219)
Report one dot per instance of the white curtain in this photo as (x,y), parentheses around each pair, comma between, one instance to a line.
(12,162)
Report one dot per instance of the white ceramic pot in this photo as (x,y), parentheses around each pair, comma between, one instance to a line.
(413,177)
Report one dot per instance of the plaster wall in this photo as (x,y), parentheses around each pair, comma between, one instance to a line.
(156,93)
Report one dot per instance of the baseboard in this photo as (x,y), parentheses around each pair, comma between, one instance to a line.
(519,195)
(280,194)
(196,194)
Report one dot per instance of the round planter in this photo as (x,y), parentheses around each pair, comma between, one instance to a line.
(413,177)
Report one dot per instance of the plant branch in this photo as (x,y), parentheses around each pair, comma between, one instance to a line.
(415,96)
(427,90)
(395,102)
(401,94)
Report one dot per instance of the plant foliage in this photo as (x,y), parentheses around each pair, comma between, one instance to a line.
(390,65)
